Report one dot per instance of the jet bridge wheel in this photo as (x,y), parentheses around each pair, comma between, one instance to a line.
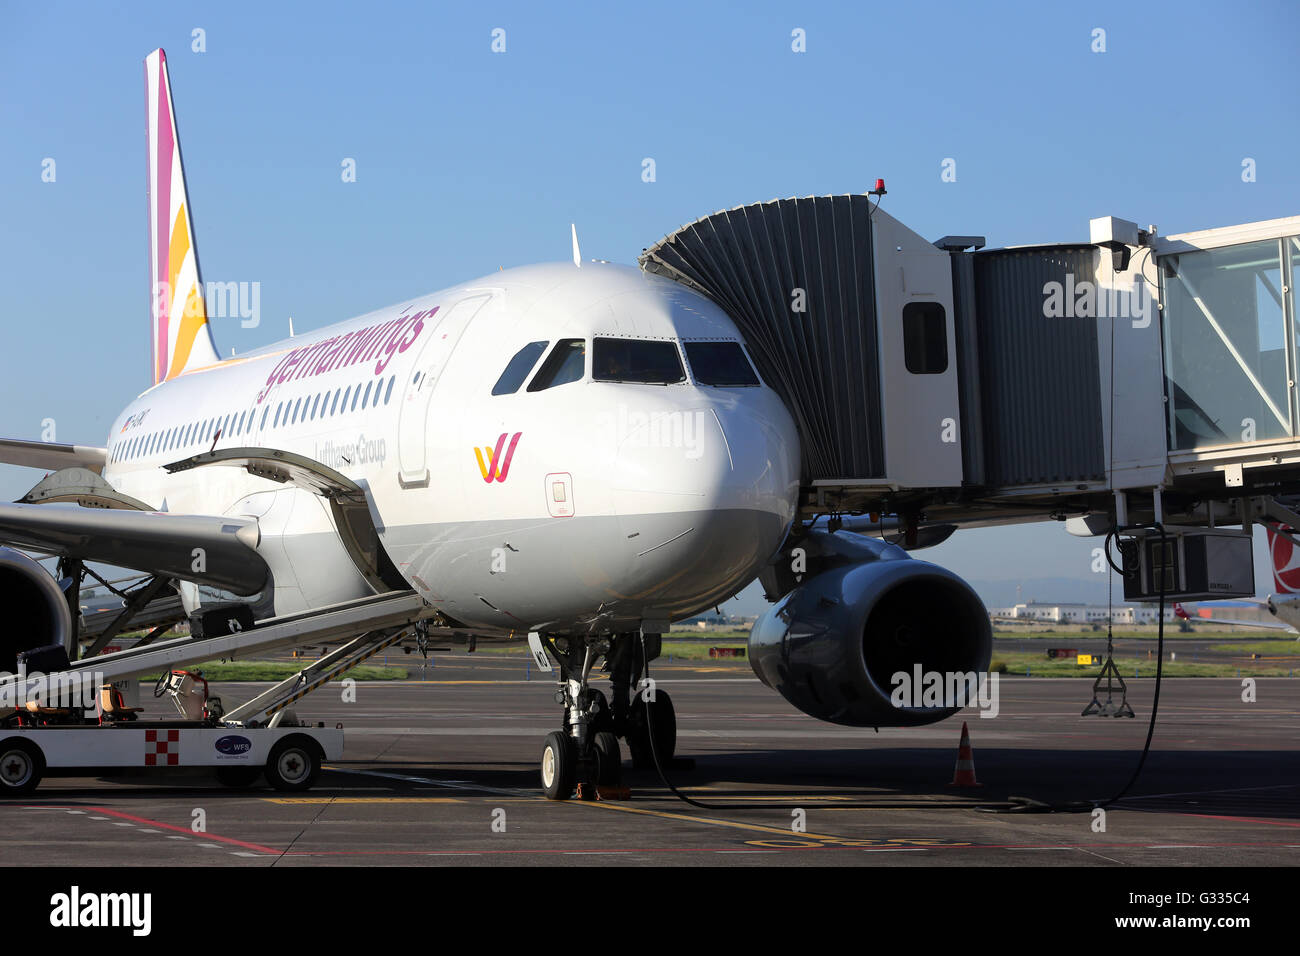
(559,766)
(21,767)
(294,764)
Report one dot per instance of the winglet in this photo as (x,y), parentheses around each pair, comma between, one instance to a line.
(577,256)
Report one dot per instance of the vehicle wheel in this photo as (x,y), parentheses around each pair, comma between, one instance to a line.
(609,759)
(559,766)
(238,777)
(294,764)
(21,766)
(665,731)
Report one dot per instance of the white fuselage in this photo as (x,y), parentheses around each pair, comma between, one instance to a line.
(586,506)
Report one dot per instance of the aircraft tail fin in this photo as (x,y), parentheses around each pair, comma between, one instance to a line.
(1285,559)
(182,337)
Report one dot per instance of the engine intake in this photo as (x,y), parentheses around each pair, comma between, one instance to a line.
(36,613)
(833,645)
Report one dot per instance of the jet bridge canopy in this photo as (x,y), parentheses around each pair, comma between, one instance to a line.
(1024,382)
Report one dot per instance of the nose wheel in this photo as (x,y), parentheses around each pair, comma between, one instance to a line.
(559,766)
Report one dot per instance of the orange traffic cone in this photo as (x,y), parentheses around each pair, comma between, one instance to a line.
(964,774)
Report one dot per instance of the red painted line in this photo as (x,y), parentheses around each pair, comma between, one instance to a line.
(783,849)
(1214,816)
(167,826)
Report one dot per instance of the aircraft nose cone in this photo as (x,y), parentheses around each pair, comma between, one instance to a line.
(704,496)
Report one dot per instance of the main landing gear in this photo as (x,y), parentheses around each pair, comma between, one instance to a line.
(586,749)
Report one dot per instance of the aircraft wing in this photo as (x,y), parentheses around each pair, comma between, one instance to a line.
(213,550)
(51,456)
(1267,625)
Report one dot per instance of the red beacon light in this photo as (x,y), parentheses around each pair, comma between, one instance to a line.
(879,190)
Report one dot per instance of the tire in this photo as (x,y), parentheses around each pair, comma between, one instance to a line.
(665,731)
(21,767)
(609,759)
(559,766)
(238,778)
(294,764)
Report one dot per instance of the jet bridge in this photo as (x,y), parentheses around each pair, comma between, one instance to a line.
(1132,375)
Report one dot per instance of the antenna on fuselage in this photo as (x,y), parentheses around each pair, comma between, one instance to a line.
(577,256)
(291,326)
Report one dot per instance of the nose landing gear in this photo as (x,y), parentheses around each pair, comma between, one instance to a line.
(586,750)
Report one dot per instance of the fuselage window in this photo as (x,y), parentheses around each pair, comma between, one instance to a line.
(566,363)
(720,363)
(518,367)
(266,411)
(315,405)
(365,399)
(334,406)
(636,360)
(279,406)
(356,397)
(388,392)
(346,392)
(239,429)
(297,407)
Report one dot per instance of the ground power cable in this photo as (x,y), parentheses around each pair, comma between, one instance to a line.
(1012,804)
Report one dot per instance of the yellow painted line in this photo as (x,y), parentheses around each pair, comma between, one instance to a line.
(362,800)
(735,824)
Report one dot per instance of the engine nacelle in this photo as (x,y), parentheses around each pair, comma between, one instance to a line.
(864,613)
(35,612)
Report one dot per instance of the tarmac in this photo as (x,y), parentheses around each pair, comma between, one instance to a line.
(444,770)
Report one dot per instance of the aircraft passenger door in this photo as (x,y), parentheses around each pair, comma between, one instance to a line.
(413,417)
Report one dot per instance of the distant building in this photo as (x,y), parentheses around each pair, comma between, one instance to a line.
(1033,611)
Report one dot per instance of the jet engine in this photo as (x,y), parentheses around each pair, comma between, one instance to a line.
(856,613)
(35,612)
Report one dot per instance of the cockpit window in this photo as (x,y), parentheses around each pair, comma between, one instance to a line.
(518,368)
(566,363)
(720,363)
(636,360)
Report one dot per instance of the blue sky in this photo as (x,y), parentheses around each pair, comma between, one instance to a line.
(468,160)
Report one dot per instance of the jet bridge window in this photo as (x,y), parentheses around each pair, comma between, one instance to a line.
(925,338)
(636,360)
(1227,345)
(518,367)
(720,363)
(566,363)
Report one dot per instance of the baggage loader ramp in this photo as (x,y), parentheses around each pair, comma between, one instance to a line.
(350,621)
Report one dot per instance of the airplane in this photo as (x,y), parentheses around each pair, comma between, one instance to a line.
(581,450)
(1286,581)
